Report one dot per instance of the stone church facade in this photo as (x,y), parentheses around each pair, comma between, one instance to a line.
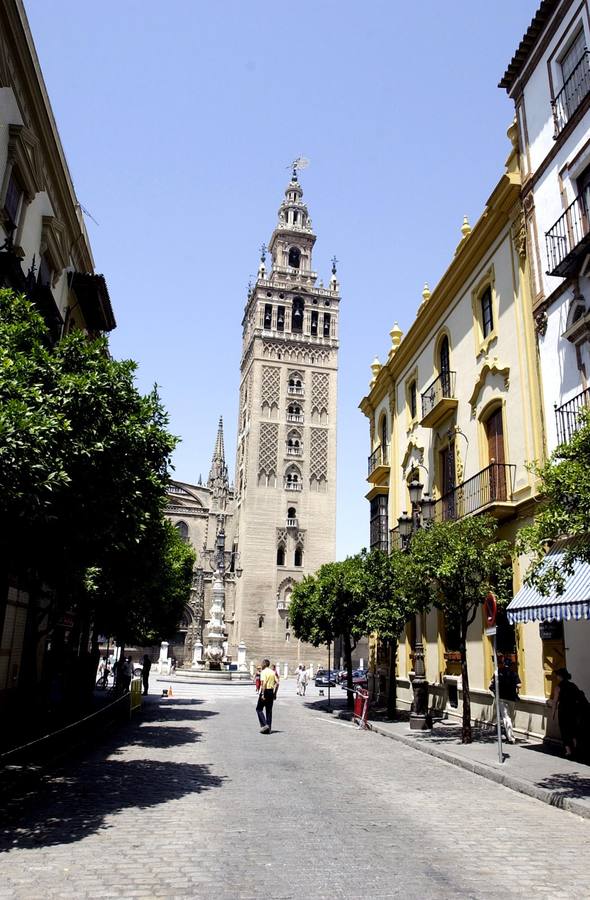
(286,447)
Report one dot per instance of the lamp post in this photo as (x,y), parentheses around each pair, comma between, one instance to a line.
(194,641)
(218,559)
(421,517)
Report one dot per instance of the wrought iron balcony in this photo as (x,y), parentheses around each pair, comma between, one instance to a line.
(568,240)
(293,485)
(490,491)
(567,416)
(378,463)
(438,400)
(296,390)
(574,89)
(295,417)
(292,523)
(294,451)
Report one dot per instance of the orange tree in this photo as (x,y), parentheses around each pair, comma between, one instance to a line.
(454,566)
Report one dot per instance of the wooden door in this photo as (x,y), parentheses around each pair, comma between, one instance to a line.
(496,457)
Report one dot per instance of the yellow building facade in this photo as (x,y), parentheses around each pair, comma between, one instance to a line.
(457,405)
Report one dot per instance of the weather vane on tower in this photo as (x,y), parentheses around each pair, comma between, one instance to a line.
(300,163)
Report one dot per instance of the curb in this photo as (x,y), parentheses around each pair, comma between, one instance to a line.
(513,782)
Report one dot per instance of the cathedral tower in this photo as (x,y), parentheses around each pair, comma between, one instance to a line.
(286,455)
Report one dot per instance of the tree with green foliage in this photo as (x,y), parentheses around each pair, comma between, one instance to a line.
(458,564)
(564,485)
(389,606)
(332,604)
(84,463)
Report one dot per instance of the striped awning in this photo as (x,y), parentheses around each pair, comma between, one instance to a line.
(529,605)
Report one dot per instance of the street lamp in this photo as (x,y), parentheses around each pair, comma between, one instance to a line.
(421,517)
(218,559)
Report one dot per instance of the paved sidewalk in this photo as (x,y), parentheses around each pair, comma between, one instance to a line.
(528,767)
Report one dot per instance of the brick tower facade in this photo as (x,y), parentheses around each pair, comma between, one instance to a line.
(286,453)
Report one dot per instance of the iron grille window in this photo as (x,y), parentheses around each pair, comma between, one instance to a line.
(379,531)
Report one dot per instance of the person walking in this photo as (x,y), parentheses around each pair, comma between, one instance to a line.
(508,683)
(278,678)
(266,696)
(303,679)
(298,679)
(126,674)
(145,674)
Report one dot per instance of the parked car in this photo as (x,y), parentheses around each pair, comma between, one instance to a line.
(323,678)
(359,678)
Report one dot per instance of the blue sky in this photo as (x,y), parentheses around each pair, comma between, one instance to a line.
(178,120)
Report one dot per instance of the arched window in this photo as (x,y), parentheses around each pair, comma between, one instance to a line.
(294,253)
(487,314)
(298,556)
(444,359)
(293,479)
(384,438)
(291,513)
(413,400)
(297,317)
(182,529)
(280,555)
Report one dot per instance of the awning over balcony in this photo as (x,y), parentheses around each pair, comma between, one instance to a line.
(93,296)
(529,605)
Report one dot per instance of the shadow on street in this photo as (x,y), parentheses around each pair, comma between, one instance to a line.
(73,801)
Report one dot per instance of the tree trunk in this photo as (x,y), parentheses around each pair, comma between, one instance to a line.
(466,736)
(348,663)
(392,682)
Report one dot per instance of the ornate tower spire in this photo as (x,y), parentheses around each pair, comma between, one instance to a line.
(292,240)
(218,479)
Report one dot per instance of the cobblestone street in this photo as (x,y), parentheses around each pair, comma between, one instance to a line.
(192,801)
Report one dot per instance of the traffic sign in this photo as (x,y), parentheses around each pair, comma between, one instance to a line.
(491,607)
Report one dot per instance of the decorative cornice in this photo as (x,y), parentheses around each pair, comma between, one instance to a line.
(488,368)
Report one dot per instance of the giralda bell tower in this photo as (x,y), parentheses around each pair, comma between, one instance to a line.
(286,455)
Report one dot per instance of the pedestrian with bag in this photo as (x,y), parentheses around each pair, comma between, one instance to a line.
(266,697)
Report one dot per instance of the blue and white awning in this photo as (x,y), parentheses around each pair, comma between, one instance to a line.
(529,605)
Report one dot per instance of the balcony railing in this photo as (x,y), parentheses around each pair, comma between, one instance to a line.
(296,390)
(293,485)
(568,418)
(379,457)
(568,237)
(291,523)
(438,396)
(574,89)
(294,451)
(295,417)
(494,484)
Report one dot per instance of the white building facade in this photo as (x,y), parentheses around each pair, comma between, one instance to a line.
(549,81)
